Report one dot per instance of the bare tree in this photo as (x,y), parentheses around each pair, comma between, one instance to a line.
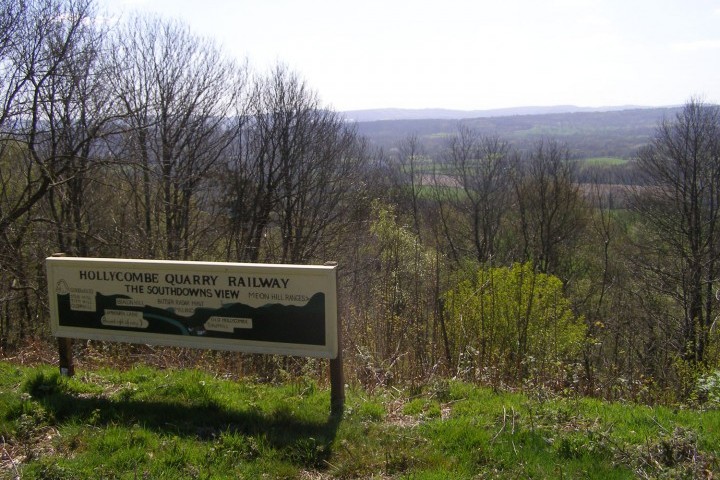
(681,210)
(550,206)
(79,115)
(481,168)
(408,176)
(42,45)
(296,170)
(41,41)
(180,97)
(12,18)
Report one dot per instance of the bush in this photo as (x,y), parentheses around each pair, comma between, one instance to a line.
(708,389)
(513,321)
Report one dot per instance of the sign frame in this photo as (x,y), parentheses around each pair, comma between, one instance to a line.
(143,289)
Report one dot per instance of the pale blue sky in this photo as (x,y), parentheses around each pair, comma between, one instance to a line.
(471,54)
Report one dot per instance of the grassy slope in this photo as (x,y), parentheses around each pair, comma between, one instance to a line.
(148,423)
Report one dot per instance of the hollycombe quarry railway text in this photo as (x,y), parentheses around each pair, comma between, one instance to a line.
(174,279)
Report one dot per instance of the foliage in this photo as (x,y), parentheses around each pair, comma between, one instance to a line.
(513,320)
(708,388)
(394,331)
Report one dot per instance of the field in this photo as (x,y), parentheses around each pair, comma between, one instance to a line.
(163,423)
(604,161)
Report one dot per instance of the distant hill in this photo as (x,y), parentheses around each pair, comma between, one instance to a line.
(370,115)
(614,132)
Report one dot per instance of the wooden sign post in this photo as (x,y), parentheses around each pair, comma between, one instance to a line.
(337,375)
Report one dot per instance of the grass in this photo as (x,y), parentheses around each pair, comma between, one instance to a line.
(151,423)
(604,161)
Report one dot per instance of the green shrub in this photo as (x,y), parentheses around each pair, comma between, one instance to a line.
(513,320)
(708,388)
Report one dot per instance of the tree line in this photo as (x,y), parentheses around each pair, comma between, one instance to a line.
(477,259)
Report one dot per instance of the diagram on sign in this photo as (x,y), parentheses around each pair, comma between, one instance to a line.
(273,322)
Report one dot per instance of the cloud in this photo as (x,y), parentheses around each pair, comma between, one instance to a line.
(696,46)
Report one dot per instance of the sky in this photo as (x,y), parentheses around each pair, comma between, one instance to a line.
(469,55)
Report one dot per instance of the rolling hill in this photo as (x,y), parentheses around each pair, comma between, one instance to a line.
(613,132)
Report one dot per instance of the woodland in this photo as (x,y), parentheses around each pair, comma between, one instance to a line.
(477,255)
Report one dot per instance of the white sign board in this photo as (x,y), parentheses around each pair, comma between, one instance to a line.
(279,309)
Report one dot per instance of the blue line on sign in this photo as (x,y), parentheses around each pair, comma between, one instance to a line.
(182,327)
